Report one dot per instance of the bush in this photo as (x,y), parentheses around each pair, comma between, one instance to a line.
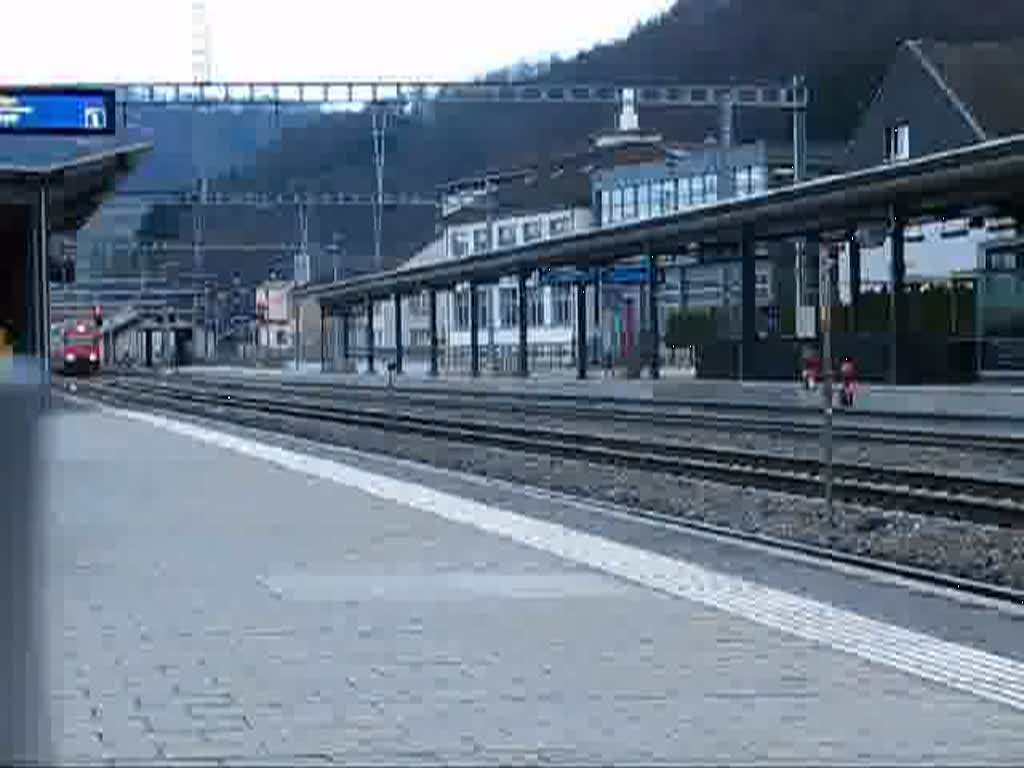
(690,327)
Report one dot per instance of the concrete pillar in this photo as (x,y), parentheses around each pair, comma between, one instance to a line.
(898,273)
(323,338)
(24,726)
(524,319)
(853,245)
(897,299)
(652,311)
(344,335)
(38,294)
(597,316)
(297,313)
(581,330)
(748,304)
(398,333)
(369,334)
(474,330)
(432,302)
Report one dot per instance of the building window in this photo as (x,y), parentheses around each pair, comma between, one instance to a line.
(697,190)
(683,198)
(459,245)
(559,225)
(758,180)
(532,231)
(462,309)
(657,200)
(618,204)
(483,303)
(668,201)
(630,206)
(506,235)
(536,300)
(1004,260)
(644,201)
(480,243)
(606,207)
(710,187)
(561,301)
(741,181)
(508,306)
(749,180)
(897,144)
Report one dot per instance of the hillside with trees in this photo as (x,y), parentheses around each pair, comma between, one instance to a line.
(842,47)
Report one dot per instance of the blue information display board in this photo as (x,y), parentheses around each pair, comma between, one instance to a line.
(57,111)
(624,275)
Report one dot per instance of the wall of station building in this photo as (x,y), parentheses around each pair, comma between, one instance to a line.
(469,239)
(644,190)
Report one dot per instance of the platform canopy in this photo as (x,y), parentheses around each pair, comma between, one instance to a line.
(48,185)
(76,173)
(954,183)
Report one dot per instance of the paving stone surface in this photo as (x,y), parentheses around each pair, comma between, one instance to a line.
(210,607)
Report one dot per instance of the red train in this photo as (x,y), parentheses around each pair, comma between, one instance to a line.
(77,348)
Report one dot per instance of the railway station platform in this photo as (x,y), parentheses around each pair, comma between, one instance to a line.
(217,594)
(985,399)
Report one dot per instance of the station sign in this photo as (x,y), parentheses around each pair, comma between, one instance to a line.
(622,275)
(60,111)
(564,276)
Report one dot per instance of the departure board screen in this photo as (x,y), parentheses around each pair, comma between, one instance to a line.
(56,111)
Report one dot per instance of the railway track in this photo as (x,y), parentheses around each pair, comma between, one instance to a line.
(798,422)
(965,497)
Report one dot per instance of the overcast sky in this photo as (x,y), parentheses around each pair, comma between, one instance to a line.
(144,40)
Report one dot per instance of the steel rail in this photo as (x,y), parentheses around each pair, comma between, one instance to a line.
(972,498)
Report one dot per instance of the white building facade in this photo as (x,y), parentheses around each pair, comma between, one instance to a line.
(275,323)
(551,333)
(551,324)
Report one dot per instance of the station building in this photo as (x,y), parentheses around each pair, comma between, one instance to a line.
(939,96)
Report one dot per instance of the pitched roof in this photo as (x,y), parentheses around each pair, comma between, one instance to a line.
(986,78)
(431,253)
(554,183)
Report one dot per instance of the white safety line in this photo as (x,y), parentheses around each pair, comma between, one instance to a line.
(961,667)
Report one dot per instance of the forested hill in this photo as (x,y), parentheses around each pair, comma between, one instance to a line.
(842,47)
